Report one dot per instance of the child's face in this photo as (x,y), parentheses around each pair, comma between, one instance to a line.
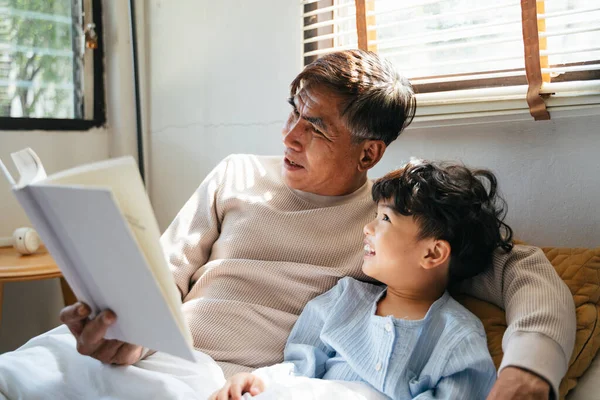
(393,251)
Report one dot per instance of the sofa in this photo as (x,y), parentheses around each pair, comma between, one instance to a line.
(580,270)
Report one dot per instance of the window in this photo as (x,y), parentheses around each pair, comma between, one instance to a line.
(51,64)
(468,57)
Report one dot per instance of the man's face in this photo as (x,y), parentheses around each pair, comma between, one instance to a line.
(320,156)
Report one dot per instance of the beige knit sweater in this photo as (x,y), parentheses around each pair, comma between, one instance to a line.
(248,253)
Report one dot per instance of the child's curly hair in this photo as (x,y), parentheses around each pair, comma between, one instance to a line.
(451,202)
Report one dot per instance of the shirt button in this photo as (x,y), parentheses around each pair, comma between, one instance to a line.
(388,327)
(378,367)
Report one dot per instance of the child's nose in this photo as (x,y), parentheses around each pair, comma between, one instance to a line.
(368,228)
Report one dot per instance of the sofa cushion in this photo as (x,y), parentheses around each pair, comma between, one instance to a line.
(580,269)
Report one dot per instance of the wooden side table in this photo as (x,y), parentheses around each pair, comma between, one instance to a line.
(17,268)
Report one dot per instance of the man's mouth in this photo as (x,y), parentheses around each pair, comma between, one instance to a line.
(368,250)
(292,164)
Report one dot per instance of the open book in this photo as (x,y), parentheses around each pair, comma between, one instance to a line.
(97,223)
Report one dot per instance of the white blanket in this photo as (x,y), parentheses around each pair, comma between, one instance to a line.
(49,367)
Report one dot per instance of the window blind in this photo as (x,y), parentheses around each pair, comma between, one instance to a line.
(497,57)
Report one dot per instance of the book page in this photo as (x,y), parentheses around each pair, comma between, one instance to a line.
(29,166)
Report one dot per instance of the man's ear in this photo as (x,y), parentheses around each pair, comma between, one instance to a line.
(437,254)
(371,153)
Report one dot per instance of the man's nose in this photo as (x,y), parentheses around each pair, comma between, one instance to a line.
(294,137)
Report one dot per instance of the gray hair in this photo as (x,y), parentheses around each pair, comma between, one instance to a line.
(378,103)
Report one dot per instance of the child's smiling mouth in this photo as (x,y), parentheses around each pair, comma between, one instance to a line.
(368,250)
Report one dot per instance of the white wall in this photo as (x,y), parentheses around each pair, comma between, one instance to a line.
(31,308)
(548,172)
(219,77)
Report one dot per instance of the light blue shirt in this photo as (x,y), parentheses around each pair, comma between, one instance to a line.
(338,336)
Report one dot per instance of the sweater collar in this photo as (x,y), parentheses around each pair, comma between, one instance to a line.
(329,201)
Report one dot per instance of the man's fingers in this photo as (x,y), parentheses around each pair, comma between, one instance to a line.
(95,330)
(107,350)
(127,354)
(76,327)
(75,312)
(75,317)
(92,335)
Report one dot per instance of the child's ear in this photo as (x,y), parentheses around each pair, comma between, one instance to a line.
(437,254)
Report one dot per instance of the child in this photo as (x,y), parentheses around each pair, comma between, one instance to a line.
(436,224)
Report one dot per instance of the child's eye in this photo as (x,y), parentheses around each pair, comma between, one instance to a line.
(385,218)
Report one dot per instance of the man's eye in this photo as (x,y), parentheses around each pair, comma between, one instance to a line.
(318,132)
(294,109)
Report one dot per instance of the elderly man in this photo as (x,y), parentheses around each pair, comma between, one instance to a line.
(264,235)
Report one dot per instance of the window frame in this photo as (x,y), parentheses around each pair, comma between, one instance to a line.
(98,99)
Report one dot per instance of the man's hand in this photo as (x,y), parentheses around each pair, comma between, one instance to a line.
(90,336)
(515,384)
(239,384)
